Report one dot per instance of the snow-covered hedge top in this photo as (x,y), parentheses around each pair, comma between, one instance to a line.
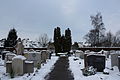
(9,62)
(96,54)
(79,51)
(43,50)
(10,53)
(19,57)
(28,61)
(32,52)
(5,52)
(92,52)
(61,53)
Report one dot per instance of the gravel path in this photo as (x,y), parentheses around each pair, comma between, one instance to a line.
(60,71)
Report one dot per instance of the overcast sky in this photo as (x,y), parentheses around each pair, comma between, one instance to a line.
(32,18)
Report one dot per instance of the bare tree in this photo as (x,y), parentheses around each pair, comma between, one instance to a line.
(43,40)
(117,39)
(95,35)
(109,39)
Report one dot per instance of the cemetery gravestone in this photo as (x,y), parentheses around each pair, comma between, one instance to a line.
(33,56)
(114,59)
(97,61)
(43,56)
(29,67)
(9,57)
(8,66)
(77,53)
(85,60)
(119,62)
(18,65)
(82,55)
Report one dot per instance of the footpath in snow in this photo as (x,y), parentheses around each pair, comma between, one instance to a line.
(60,71)
(77,65)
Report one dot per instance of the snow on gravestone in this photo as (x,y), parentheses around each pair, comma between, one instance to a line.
(18,65)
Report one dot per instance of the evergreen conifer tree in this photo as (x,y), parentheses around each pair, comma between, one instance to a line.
(57,40)
(11,39)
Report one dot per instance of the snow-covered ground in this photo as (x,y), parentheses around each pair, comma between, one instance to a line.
(37,75)
(76,66)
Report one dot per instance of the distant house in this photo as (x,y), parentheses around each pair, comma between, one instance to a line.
(30,44)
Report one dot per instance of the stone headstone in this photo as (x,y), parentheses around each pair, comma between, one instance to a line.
(48,55)
(85,60)
(119,62)
(43,56)
(79,54)
(9,57)
(29,67)
(97,61)
(82,55)
(8,66)
(18,65)
(114,59)
(33,56)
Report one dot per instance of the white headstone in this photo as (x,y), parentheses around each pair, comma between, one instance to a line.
(18,64)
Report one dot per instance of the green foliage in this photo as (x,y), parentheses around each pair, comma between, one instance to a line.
(57,40)
(68,40)
(75,46)
(11,39)
(62,43)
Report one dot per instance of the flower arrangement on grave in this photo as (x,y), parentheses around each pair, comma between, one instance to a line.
(87,71)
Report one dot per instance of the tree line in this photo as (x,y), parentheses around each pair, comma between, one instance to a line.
(12,39)
(97,37)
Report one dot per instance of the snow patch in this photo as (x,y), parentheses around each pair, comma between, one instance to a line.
(19,57)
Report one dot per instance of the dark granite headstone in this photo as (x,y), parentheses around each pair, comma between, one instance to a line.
(3,56)
(97,61)
(119,62)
